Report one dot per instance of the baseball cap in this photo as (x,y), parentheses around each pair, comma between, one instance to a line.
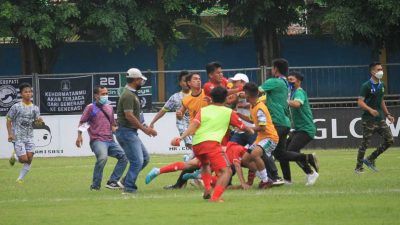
(240,76)
(135,73)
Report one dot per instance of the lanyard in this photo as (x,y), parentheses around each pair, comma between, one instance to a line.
(375,87)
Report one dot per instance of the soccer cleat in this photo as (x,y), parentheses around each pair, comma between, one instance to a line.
(278,182)
(265,185)
(195,175)
(19,181)
(12,159)
(207,194)
(92,188)
(218,200)
(314,162)
(114,185)
(359,170)
(152,174)
(312,178)
(370,164)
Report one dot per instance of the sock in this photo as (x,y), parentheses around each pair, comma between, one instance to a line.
(214,180)
(25,169)
(250,177)
(218,191)
(258,174)
(206,180)
(172,167)
(263,175)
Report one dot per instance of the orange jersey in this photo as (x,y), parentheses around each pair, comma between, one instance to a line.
(193,104)
(261,117)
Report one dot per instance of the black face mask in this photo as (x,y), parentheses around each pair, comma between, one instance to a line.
(138,87)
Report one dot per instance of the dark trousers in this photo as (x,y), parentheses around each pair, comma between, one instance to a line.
(369,128)
(296,141)
(284,156)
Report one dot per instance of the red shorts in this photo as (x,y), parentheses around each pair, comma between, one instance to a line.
(210,152)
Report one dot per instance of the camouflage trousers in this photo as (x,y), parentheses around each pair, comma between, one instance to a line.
(370,128)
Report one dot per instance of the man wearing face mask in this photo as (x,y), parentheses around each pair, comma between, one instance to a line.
(373,118)
(130,120)
(100,117)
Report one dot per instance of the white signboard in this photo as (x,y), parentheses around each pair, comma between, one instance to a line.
(58,137)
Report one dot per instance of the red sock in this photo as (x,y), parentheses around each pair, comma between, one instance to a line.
(214,180)
(172,167)
(206,177)
(218,191)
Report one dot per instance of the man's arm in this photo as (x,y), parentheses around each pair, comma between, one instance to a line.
(11,136)
(136,123)
(365,107)
(180,112)
(294,104)
(386,112)
(158,116)
(239,171)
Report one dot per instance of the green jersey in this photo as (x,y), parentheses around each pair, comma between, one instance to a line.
(128,102)
(373,97)
(277,95)
(302,117)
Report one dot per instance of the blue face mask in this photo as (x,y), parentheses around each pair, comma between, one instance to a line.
(103,99)
(291,85)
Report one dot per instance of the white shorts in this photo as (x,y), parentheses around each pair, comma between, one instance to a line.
(22,147)
(266,144)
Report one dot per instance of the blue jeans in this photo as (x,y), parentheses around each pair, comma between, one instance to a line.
(136,154)
(103,149)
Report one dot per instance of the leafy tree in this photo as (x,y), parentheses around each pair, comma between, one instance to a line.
(267,19)
(374,22)
(40,27)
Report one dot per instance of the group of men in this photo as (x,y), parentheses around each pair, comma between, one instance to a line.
(229,124)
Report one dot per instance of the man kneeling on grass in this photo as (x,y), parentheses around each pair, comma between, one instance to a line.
(209,127)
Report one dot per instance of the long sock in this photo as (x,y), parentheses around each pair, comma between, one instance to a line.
(180,182)
(206,180)
(172,167)
(250,177)
(25,169)
(218,191)
(263,175)
(214,180)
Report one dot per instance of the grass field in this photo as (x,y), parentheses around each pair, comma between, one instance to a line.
(56,191)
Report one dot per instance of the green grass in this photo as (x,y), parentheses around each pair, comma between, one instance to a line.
(56,191)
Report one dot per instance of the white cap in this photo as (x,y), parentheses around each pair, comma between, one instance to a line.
(135,73)
(240,76)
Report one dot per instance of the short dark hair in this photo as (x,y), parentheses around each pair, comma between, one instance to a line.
(23,86)
(182,74)
(189,77)
(212,66)
(251,89)
(282,65)
(296,74)
(96,89)
(373,64)
(218,94)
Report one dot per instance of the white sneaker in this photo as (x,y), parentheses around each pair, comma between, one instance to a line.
(312,178)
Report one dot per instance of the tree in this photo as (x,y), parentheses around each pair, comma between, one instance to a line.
(40,27)
(267,19)
(125,23)
(373,22)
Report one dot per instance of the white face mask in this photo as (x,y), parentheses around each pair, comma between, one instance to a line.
(379,75)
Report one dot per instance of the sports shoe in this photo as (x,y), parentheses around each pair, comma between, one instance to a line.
(12,159)
(195,175)
(359,170)
(370,164)
(171,187)
(314,162)
(287,182)
(114,185)
(152,174)
(265,185)
(278,182)
(207,194)
(312,178)
(92,188)
(19,181)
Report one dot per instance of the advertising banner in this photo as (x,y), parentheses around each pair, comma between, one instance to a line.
(9,92)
